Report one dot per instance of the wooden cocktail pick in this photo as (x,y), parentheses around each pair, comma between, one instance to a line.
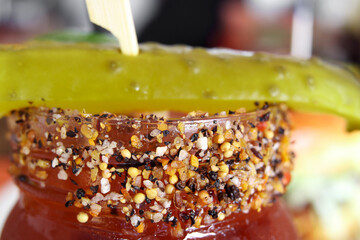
(116,17)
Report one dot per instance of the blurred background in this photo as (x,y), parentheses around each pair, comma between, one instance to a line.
(324,195)
(326,28)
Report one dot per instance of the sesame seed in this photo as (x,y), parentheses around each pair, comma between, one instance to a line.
(204,195)
(139,198)
(162,126)
(221,216)
(133,172)
(103,166)
(54,163)
(82,217)
(225,146)
(219,139)
(228,153)
(125,153)
(151,193)
(224,168)
(93,174)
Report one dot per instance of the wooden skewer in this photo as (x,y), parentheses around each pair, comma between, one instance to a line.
(116,16)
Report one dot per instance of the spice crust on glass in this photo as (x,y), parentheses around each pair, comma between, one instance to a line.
(186,172)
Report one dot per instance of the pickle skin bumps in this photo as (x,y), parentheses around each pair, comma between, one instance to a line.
(99,78)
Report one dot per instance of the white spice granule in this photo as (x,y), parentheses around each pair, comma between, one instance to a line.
(202,143)
(105,185)
(62,175)
(160,151)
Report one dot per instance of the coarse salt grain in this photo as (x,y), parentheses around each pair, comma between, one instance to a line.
(160,193)
(156,217)
(166,203)
(63,132)
(135,220)
(54,163)
(95,208)
(236,181)
(157,207)
(64,157)
(227,125)
(97,198)
(160,151)
(90,165)
(113,196)
(60,150)
(107,147)
(85,201)
(208,219)
(105,159)
(105,185)
(183,154)
(56,116)
(62,175)
(155,132)
(202,143)
(148,184)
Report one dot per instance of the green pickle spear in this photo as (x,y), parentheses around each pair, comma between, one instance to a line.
(99,78)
